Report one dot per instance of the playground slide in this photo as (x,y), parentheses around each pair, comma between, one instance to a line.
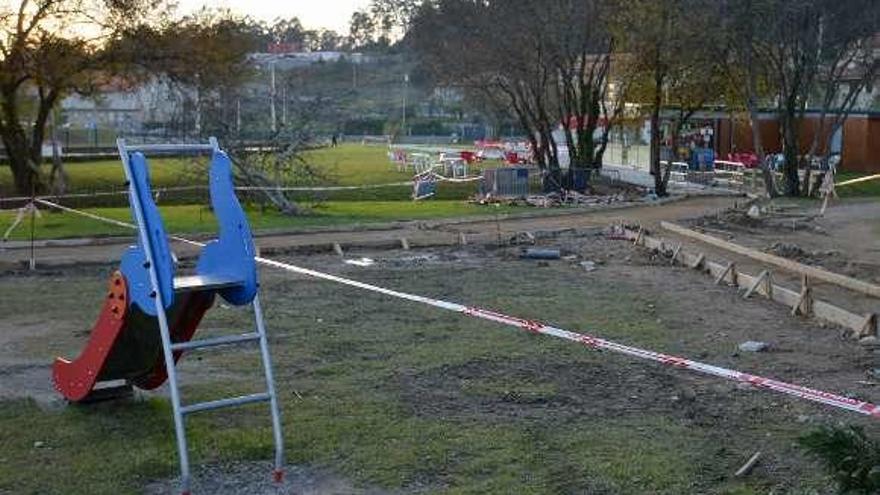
(125,342)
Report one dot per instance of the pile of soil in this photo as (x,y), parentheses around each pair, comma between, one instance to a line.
(730,220)
(794,252)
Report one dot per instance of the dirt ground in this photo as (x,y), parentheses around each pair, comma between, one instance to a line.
(419,233)
(384,396)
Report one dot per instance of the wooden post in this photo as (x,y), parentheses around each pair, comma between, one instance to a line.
(462,239)
(639,236)
(869,327)
(404,243)
(730,268)
(337,248)
(675,254)
(804,304)
(758,281)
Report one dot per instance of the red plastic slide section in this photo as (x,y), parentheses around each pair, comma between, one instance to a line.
(75,379)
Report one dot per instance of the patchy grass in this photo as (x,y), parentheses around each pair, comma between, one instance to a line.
(393,395)
(196,218)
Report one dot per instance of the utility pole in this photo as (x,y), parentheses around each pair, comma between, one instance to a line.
(284,104)
(198,102)
(272,95)
(238,115)
(405,88)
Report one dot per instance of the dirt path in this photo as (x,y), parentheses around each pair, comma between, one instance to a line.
(437,233)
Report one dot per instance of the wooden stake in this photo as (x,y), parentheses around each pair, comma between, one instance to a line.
(758,281)
(804,304)
(404,243)
(639,236)
(675,254)
(869,327)
(730,268)
(748,466)
(337,248)
(462,239)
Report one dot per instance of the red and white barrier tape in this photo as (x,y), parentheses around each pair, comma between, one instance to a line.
(205,188)
(536,327)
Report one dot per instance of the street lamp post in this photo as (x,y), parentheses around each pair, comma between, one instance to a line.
(405,88)
(272,95)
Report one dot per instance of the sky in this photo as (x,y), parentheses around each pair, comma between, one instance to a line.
(330,14)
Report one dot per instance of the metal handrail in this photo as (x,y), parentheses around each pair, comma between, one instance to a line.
(210,147)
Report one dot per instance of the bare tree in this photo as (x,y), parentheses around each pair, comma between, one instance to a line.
(547,64)
(743,32)
(808,51)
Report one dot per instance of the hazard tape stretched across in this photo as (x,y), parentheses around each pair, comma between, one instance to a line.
(857,180)
(205,188)
(536,327)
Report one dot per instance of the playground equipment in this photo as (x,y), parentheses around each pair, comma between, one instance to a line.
(150,313)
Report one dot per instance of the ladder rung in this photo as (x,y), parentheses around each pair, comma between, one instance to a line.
(224,340)
(217,404)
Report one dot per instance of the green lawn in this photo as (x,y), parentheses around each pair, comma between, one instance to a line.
(196,218)
(355,164)
(346,165)
(868,188)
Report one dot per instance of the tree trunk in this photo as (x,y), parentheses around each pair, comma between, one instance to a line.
(790,152)
(757,140)
(25,155)
(659,185)
(25,171)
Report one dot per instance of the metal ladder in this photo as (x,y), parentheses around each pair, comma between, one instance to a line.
(181,411)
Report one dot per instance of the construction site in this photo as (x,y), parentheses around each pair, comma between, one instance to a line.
(703,335)
(410,247)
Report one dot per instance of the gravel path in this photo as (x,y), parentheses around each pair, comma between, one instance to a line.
(254,478)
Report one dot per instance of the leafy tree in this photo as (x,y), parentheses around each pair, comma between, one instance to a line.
(670,66)
(49,49)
